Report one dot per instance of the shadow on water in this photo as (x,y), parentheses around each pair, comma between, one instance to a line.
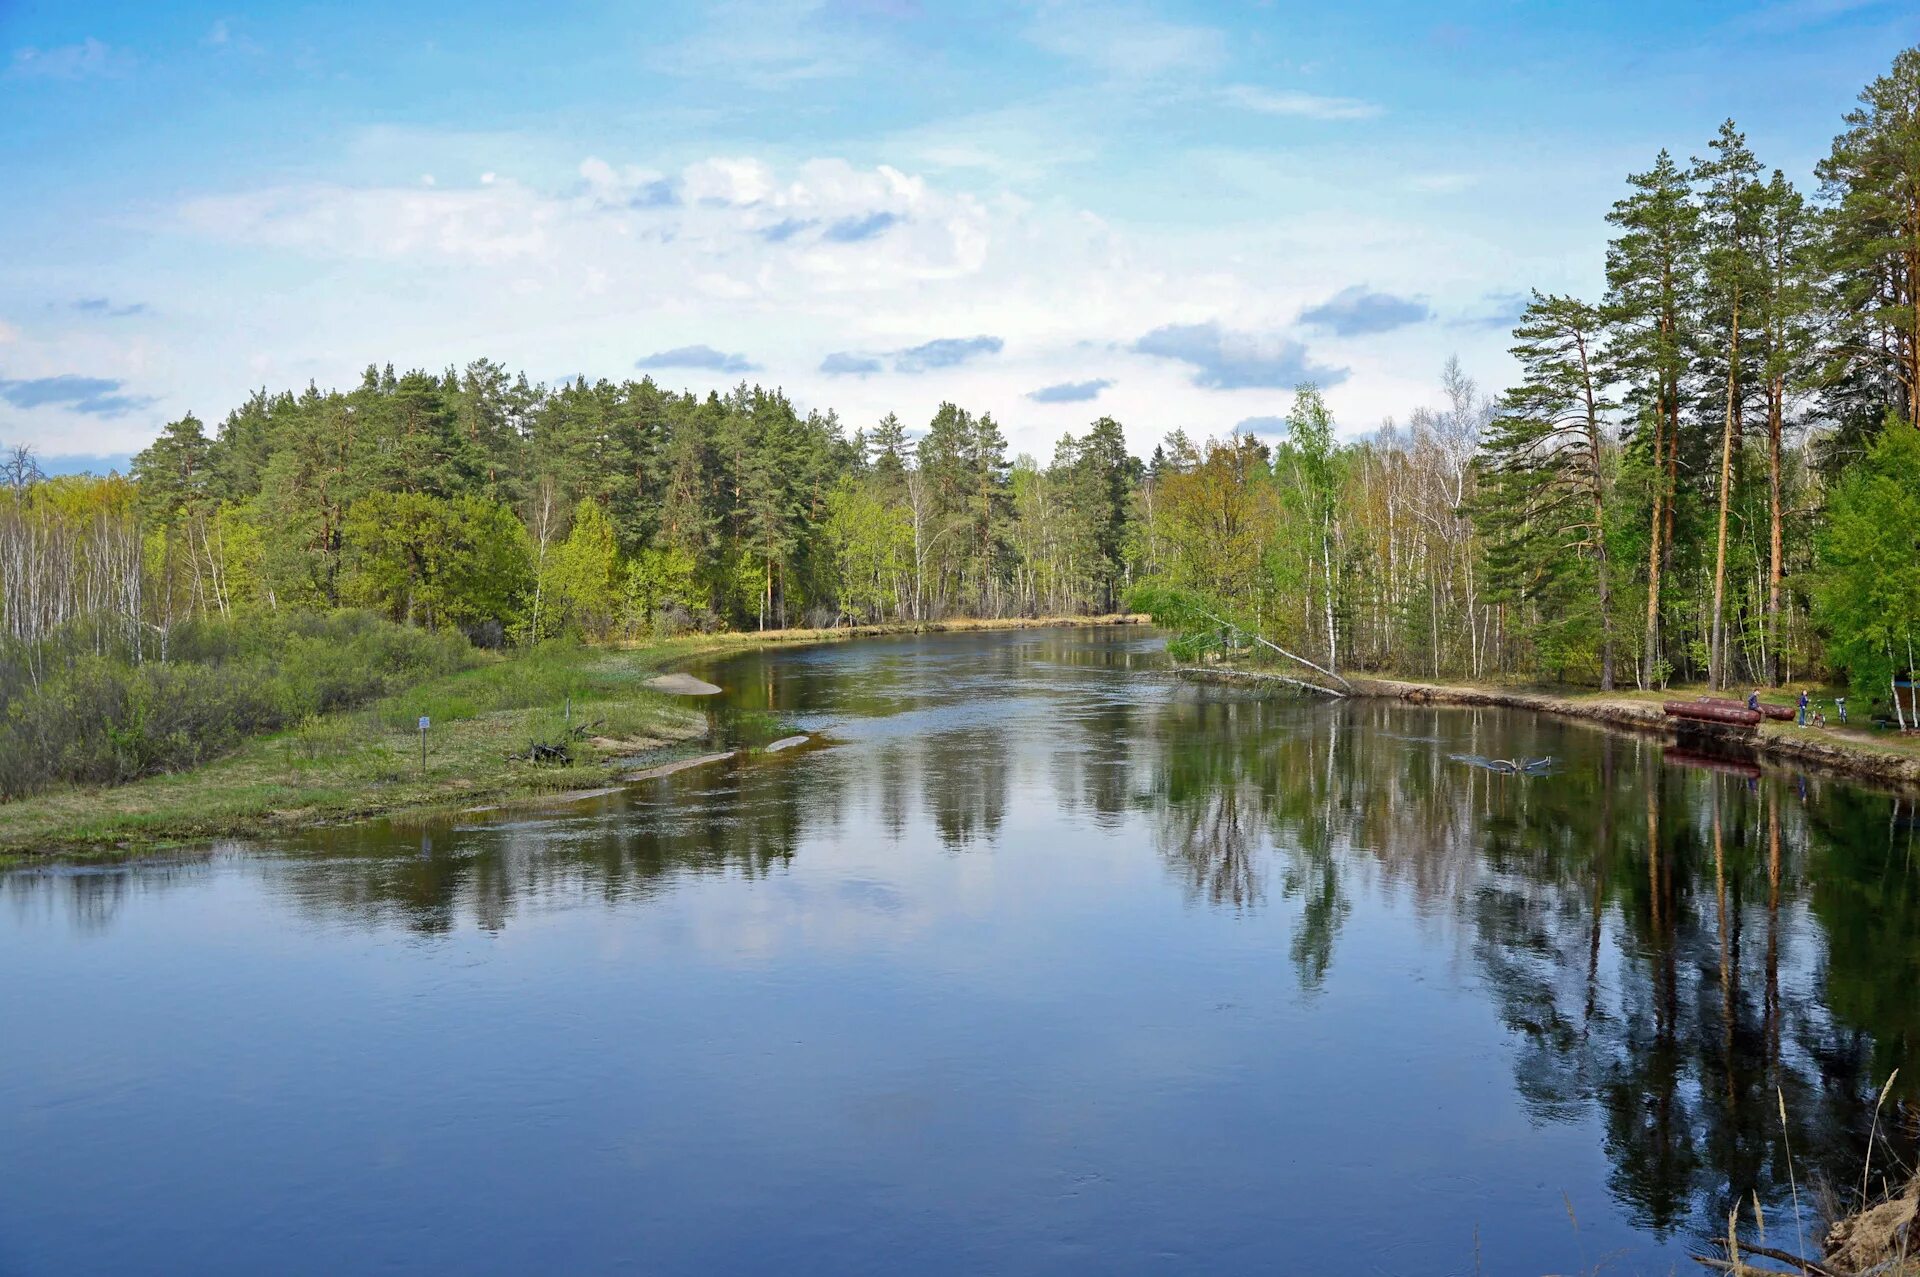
(1674,946)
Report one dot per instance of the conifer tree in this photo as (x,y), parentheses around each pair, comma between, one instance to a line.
(1652,269)
(1546,510)
(1783,306)
(1731,201)
(1871,179)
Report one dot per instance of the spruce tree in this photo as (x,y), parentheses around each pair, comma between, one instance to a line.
(1545,509)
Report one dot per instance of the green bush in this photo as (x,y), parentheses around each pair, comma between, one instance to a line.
(79,716)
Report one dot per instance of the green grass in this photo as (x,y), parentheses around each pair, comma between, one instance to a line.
(366,761)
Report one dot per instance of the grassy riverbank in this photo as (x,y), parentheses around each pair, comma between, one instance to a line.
(366,761)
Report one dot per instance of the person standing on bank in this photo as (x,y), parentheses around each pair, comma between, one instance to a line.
(1803,707)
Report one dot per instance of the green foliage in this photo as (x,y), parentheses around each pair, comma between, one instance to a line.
(586,576)
(872,542)
(1867,595)
(1542,504)
(1188,613)
(97,717)
(436,561)
(1871,179)
(662,584)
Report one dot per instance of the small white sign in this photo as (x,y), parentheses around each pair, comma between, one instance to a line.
(424,723)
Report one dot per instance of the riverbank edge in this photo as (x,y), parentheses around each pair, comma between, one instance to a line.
(749,640)
(1820,749)
(123,832)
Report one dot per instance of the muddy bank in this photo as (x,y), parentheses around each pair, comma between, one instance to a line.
(682,684)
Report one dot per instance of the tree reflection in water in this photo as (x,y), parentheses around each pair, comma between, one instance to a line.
(1674,950)
(1678,950)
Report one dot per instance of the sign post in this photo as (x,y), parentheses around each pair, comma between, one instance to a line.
(425,723)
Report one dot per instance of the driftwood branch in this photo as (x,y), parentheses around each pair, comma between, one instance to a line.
(1292,656)
(1812,1267)
(1310,686)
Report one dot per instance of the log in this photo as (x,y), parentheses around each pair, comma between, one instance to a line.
(1779,713)
(1708,712)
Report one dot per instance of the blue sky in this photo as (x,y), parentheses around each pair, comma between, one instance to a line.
(1166,212)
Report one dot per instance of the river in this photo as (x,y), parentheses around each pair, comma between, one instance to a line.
(1032,960)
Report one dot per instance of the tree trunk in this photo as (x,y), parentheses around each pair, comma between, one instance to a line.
(1333,638)
(1775,569)
(1602,575)
(1599,523)
(1716,649)
(1651,655)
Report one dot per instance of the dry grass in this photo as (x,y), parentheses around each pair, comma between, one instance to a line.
(959,625)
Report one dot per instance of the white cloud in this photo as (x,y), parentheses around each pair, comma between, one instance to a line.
(1019,143)
(90,57)
(222,37)
(1307,106)
(729,181)
(494,225)
(794,263)
(712,226)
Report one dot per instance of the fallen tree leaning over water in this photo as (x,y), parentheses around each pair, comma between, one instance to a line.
(1200,628)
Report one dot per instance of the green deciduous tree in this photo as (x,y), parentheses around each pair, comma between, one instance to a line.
(432,560)
(586,578)
(1867,594)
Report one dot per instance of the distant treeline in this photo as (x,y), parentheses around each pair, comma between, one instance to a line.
(1710,470)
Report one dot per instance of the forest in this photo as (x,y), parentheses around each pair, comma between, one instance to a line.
(1710,471)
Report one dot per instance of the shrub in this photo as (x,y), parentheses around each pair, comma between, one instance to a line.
(72,715)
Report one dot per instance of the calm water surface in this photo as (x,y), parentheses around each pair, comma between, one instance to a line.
(1038,963)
